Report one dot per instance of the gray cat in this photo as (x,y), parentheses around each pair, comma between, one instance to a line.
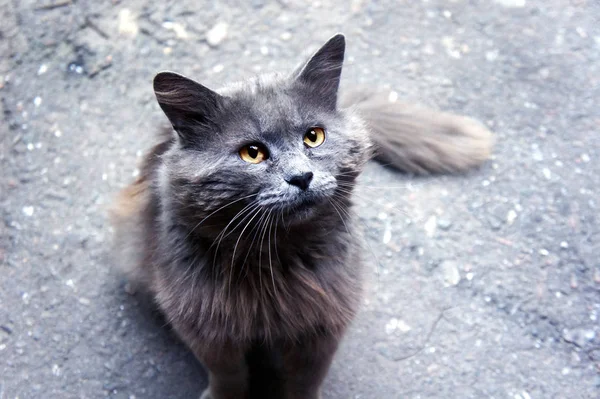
(241,225)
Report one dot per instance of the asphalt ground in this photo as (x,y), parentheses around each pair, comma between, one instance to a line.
(485,285)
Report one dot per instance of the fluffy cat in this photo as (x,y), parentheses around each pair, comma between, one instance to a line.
(241,226)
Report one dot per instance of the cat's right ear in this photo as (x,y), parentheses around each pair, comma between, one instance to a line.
(188,105)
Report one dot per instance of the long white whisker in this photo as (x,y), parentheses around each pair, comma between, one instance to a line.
(262,239)
(212,213)
(275,235)
(370,200)
(270,260)
(341,209)
(257,229)
(248,210)
(236,245)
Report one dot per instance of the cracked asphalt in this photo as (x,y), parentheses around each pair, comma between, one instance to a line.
(485,285)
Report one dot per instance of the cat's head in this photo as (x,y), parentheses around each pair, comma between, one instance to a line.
(276,144)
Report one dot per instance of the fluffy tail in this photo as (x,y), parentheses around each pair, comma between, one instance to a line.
(419,140)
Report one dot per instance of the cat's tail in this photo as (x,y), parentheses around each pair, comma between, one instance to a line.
(419,140)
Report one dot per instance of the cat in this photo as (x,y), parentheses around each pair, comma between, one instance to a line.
(241,225)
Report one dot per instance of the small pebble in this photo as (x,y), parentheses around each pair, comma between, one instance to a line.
(564,244)
(217,34)
(430,226)
(127,23)
(391,326)
(286,36)
(544,252)
(393,97)
(179,29)
(451,273)
(218,68)
(42,69)
(511,216)
(511,3)
(444,224)
(495,222)
(28,210)
(547,174)
(84,301)
(37,101)
(492,55)
(387,234)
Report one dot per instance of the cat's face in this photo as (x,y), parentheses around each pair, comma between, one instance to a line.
(269,146)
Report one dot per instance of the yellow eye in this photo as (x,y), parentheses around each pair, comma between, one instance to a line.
(253,153)
(314,137)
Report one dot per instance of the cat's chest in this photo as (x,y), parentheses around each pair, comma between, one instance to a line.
(268,297)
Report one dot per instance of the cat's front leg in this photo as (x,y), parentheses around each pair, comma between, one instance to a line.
(306,364)
(228,376)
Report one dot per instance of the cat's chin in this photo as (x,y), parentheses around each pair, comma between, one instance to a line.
(302,212)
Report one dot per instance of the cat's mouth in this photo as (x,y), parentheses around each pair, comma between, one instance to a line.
(303,204)
(300,204)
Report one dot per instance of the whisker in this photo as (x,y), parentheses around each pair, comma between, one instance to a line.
(275,238)
(248,210)
(271,261)
(212,213)
(258,211)
(364,198)
(377,263)
(258,228)
(262,239)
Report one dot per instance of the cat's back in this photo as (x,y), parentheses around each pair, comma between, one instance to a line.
(133,214)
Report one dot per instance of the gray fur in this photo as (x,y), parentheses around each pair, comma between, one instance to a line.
(247,267)
(418,140)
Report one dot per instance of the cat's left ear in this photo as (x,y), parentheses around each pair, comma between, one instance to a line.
(323,71)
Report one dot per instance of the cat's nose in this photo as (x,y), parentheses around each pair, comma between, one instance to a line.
(301,180)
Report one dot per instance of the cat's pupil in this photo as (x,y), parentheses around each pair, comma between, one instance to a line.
(312,136)
(253,151)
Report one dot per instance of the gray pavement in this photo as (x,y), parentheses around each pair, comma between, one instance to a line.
(481,286)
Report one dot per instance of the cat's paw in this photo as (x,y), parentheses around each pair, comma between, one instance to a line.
(206,394)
